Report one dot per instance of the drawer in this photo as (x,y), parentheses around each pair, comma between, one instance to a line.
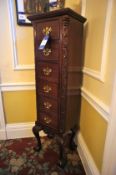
(50,120)
(47,88)
(48,27)
(47,104)
(48,71)
(50,52)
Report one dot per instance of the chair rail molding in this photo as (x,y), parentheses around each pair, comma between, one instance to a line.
(17,86)
(97,104)
(16,65)
(100,74)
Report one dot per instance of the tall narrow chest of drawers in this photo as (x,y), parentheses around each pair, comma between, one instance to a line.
(58,71)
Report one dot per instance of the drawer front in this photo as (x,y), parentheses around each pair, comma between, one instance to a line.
(47,88)
(50,120)
(50,52)
(48,71)
(49,27)
(47,104)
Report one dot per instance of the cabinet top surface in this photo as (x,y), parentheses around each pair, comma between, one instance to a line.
(57,13)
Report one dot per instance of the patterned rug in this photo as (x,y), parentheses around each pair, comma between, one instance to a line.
(17,157)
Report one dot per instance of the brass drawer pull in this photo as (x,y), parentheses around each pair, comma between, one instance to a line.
(47,30)
(47,89)
(47,105)
(47,120)
(47,71)
(47,52)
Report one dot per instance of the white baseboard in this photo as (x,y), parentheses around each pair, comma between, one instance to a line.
(2,134)
(86,158)
(20,130)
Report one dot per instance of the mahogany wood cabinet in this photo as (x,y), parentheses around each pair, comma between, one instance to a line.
(58,72)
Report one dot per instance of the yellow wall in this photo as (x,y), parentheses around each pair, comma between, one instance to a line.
(19,106)
(94,32)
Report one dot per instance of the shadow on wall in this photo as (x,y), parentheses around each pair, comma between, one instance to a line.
(75,5)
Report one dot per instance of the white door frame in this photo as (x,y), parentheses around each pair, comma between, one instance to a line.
(2,120)
(109,160)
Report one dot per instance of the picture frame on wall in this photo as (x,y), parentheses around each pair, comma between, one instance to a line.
(25,8)
(56,4)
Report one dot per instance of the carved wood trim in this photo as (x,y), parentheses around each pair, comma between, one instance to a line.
(65,40)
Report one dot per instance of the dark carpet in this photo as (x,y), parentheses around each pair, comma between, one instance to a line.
(17,157)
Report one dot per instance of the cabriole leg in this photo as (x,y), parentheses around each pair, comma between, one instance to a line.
(36,130)
(72,144)
(62,155)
